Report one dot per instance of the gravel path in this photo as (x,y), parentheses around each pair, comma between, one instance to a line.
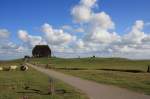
(92,89)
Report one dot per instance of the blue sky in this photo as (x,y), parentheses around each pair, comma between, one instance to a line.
(30,15)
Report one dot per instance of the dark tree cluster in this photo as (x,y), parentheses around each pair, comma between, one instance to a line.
(41,51)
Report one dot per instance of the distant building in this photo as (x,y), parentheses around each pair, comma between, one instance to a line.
(41,51)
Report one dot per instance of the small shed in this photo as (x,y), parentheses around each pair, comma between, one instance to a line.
(41,51)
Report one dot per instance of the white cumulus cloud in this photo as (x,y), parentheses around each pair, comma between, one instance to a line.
(136,34)
(30,39)
(98,23)
(56,36)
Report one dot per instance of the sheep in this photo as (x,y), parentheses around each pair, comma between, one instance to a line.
(27,67)
(1,68)
(13,67)
(24,68)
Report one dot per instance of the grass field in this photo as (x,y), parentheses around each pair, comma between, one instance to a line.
(130,74)
(32,84)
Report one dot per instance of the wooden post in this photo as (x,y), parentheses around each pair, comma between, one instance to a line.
(148,69)
(51,88)
(46,66)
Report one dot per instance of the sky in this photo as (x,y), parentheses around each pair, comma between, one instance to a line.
(73,28)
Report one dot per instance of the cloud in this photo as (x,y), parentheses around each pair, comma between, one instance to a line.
(79,30)
(82,12)
(100,35)
(134,44)
(136,34)
(99,38)
(10,48)
(7,45)
(80,44)
(88,3)
(56,36)
(102,20)
(30,39)
(23,35)
(98,24)
(72,29)
(4,33)
(67,27)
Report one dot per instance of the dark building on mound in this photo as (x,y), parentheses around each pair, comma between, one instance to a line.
(41,51)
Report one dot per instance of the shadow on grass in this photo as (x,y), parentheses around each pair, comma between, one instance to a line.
(72,68)
(32,91)
(61,91)
(123,70)
(36,91)
(119,70)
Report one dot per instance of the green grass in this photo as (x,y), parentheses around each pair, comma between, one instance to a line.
(13,83)
(95,63)
(116,71)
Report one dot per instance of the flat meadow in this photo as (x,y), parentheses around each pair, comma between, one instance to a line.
(124,73)
(31,84)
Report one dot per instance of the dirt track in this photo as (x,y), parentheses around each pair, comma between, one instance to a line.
(92,89)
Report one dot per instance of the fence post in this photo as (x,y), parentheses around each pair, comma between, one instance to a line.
(51,88)
(148,69)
